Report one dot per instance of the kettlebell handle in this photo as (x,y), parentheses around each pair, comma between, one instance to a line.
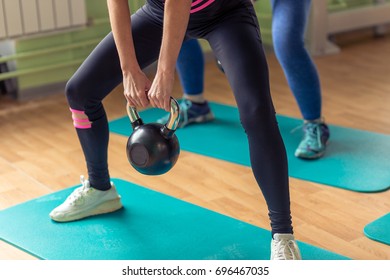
(173,120)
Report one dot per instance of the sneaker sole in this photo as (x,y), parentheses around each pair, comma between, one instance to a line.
(104,208)
(315,156)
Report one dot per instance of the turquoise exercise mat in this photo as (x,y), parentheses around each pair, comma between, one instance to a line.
(355,160)
(379,230)
(151,226)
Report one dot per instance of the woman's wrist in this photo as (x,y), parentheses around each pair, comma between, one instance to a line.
(128,71)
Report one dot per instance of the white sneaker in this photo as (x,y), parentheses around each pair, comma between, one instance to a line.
(86,201)
(284,247)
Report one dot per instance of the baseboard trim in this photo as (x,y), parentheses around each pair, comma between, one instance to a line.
(40,91)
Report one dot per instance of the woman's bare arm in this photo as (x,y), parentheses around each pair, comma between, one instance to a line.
(135,82)
(176,16)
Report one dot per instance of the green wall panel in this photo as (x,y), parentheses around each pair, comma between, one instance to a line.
(61,58)
(264,14)
(339,5)
(96,8)
(42,78)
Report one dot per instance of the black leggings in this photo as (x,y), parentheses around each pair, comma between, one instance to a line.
(234,36)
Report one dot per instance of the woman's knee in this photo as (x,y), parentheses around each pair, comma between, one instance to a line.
(76,94)
(286,47)
(257,117)
(76,105)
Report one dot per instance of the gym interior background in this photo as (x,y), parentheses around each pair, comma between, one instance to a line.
(43,42)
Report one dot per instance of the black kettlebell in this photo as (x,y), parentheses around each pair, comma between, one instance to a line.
(153,148)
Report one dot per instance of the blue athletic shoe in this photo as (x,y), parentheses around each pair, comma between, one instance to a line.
(191,112)
(315,137)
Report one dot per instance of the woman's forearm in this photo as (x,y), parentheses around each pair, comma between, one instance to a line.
(176,16)
(120,21)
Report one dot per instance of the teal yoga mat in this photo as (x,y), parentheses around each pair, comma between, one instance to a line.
(151,226)
(355,160)
(379,230)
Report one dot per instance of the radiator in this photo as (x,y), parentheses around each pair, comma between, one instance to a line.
(28,17)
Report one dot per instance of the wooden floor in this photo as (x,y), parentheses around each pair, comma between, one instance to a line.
(40,154)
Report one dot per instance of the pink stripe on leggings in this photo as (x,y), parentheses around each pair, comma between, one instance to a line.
(76,111)
(76,125)
(77,121)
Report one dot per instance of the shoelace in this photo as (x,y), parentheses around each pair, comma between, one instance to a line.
(296,128)
(313,132)
(184,106)
(285,249)
(76,194)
